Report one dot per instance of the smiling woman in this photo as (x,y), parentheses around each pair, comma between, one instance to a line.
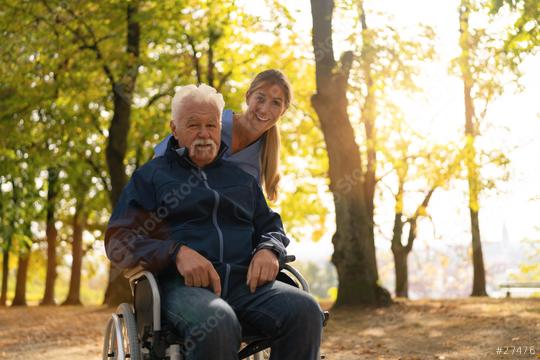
(268,97)
(252,137)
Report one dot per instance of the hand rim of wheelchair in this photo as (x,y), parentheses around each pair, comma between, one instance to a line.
(114,345)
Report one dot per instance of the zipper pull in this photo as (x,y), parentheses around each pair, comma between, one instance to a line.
(203,174)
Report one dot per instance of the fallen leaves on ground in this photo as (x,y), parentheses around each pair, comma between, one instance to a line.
(408,330)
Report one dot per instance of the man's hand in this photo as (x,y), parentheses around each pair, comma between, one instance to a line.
(263,268)
(197,270)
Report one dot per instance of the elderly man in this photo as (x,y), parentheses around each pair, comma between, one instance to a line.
(203,226)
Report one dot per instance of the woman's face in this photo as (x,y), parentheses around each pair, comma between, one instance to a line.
(265,106)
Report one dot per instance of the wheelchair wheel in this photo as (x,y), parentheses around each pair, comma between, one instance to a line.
(121,340)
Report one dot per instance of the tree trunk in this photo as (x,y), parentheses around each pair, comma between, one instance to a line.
(22,274)
(401,254)
(479,275)
(399,251)
(52,233)
(353,258)
(79,219)
(5,276)
(368,117)
(118,288)
(214,34)
(402,272)
(479,278)
(210,67)
(9,242)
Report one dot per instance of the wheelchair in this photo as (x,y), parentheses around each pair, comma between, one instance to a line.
(137,332)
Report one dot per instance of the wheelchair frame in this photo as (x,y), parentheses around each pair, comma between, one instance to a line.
(125,339)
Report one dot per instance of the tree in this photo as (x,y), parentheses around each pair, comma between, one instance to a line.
(52,192)
(354,254)
(8,218)
(87,195)
(481,66)
(79,221)
(479,277)
(431,166)
(26,196)
(22,157)
(22,273)
(33,107)
(382,62)
(388,64)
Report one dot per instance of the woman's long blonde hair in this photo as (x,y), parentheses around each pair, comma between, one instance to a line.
(269,161)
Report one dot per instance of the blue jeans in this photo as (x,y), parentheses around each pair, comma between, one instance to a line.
(212,327)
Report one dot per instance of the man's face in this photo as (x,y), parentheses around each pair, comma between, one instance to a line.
(198,129)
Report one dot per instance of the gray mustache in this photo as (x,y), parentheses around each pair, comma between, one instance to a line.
(203,142)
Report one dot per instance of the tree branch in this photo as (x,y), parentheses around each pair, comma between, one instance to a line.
(158,96)
(97,171)
(194,58)
(84,43)
(414,219)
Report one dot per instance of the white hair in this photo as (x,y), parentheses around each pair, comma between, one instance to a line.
(201,93)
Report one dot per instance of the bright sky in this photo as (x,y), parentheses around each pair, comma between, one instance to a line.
(439,111)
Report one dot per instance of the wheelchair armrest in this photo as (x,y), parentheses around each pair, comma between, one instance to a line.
(134,272)
(135,275)
(298,276)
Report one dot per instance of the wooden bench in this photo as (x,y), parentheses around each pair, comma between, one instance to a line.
(519,285)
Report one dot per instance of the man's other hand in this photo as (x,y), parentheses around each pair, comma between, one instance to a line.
(263,268)
(197,270)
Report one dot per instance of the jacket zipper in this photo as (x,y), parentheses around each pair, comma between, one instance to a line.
(220,234)
(226,282)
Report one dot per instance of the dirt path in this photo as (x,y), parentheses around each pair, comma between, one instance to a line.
(451,329)
(63,332)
